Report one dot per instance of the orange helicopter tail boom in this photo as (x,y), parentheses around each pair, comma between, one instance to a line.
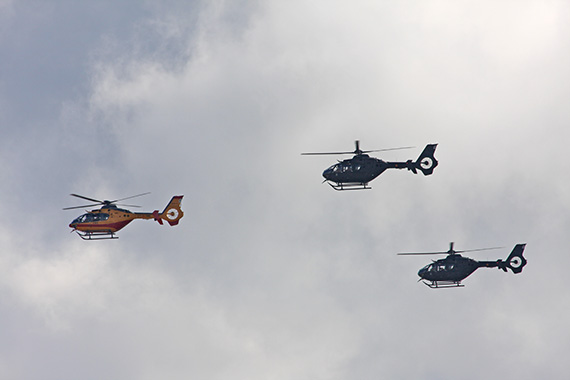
(172,212)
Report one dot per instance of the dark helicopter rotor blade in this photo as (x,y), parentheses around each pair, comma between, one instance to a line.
(324,153)
(480,249)
(124,205)
(421,253)
(451,251)
(132,196)
(86,198)
(355,152)
(388,149)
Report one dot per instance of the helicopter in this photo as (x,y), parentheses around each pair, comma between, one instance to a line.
(450,271)
(355,173)
(105,222)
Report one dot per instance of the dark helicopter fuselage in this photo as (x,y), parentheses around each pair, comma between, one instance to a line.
(356,172)
(360,169)
(453,268)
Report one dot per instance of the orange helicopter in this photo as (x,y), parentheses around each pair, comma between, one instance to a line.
(106,221)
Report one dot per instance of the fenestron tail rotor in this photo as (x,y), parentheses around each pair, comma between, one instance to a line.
(515,261)
(356,151)
(97,202)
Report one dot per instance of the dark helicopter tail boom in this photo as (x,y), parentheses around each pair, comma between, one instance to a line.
(515,262)
(425,163)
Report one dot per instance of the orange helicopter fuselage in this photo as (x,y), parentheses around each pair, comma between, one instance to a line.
(110,219)
(107,219)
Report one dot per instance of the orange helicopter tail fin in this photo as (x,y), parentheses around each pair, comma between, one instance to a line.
(172,212)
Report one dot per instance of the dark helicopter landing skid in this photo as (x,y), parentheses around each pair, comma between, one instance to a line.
(443,284)
(99,235)
(341,186)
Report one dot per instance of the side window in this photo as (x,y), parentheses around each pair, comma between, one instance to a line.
(100,217)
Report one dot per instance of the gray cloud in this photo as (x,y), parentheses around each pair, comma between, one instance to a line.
(271,274)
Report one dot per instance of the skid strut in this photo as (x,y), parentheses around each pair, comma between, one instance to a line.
(99,235)
(341,186)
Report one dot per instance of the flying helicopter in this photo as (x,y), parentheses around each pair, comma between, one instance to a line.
(356,172)
(450,271)
(103,223)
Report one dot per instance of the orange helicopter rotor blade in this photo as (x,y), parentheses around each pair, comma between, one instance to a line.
(86,198)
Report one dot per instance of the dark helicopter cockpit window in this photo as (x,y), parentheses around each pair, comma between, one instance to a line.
(441,267)
(428,268)
(438,267)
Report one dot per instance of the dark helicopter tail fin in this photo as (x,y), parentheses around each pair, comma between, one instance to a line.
(426,162)
(515,261)
(172,212)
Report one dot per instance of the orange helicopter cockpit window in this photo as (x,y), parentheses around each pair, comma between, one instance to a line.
(90,218)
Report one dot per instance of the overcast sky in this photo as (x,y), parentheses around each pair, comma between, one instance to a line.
(272,274)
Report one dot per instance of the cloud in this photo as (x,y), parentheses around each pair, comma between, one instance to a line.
(270,273)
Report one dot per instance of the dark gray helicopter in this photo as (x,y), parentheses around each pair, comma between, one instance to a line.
(355,173)
(450,271)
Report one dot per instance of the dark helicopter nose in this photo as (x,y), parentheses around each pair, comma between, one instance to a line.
(422,272)
(328,173)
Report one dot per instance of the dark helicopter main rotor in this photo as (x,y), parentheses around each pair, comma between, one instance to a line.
(357,151)
(451,251)
(104,202)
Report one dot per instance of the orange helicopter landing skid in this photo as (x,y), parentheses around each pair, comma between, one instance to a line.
(99,235)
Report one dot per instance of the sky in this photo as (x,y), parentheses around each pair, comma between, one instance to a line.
(272,274)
